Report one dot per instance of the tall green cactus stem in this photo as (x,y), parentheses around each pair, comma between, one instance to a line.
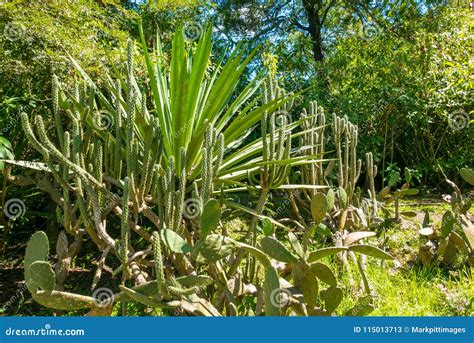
(57,116)
(171,197)
(66,200)
(118,130)
(276,146)
(180,194)
(276,142)
(314,141)
(130,142)
(213,154)
(125,228)
(129,64)
(371,173)
(159,270)
(51,149)
(206,165)
(345,139)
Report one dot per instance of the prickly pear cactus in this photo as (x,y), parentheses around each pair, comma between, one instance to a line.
(40,278)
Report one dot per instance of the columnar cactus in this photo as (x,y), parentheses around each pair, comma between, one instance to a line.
(170,198)
(213,154)
(315,142)
(276,146)
(371,173)
(345,136)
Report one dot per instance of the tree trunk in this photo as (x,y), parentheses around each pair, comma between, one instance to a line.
(314,26)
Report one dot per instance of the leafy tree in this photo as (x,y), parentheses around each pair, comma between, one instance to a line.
(36,38)
(411,92)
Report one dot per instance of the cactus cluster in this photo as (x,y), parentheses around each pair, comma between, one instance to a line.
(371,173)
(305,295)
(314,141)
(116,161)
(454,236)
(347,210)
(41,282)
(276,139)
(345,136)
(116,170)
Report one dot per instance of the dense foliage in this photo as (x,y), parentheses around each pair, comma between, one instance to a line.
(412,94)
(36,38)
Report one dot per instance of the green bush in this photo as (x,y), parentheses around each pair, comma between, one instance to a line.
(36,37)
(410,92)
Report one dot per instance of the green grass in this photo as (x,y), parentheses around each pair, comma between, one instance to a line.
(413,292)
(405,288)
(421,292)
